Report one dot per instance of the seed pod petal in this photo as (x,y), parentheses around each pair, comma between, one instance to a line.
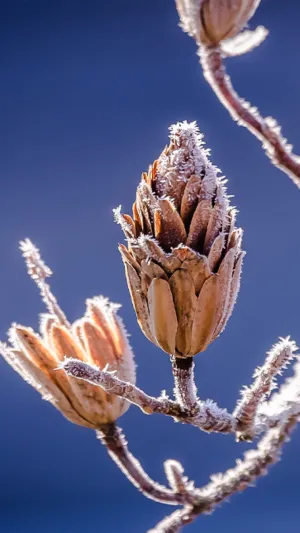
(234,289)
(190,199)
(185,300)
(215,253)
(205,316)
(198,227)
(225,273)
(163,320)
(172,231)
(43,383)
(139,301)
(153,270)
(199,270)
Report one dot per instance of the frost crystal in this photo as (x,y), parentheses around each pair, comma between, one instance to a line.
(187,156)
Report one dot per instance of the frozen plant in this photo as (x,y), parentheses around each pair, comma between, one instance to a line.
(183,261)
(183,264)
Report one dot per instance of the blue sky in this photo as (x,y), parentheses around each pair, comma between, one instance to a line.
(88,90)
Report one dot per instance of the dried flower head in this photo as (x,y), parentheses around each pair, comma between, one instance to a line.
(184,258)
(210,22)
(98,338)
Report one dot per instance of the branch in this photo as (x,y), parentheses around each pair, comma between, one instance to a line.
(265,129)
(222,487)
(246,411)
(209,418)
(115,442)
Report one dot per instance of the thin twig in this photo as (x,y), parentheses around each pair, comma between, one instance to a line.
(265,129)
(252,398)
(209,418)
(112,437)
(39,272)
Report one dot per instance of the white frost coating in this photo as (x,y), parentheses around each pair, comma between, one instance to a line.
(189,16)
(244,42)
(188,156)
(252,397)
(37,269)
(286,401)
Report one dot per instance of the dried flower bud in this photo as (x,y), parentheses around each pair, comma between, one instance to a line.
(184,257)
(98,338)
(211,21)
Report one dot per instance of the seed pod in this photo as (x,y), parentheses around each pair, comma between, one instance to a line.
(98,338)
(184,258)
(210,22)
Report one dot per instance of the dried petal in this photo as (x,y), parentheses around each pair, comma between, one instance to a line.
(163,320)
(172,231)
(139,301)
(205,316)
(185,300)
(190,199)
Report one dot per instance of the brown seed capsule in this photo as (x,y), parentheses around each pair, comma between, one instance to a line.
(98,338)
(211,21)
(184,258)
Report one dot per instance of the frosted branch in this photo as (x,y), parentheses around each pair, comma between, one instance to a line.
(39,272)
(265,129)
(176,478)
(222,486)
(115,442)
(209,418)
(252,397)
(185,390)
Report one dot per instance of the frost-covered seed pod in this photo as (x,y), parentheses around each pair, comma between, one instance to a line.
(98,338)
(210,22)
(184,257)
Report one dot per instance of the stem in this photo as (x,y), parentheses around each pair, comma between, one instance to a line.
(265,129)
(252,397)
(112,437)
(209,417)
(185,390)
(254,465)
(175,521)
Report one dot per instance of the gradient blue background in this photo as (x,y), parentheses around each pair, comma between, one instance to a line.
(87,92)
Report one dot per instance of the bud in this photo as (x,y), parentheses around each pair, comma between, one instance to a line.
(98,338)
(211,21)
(184,258)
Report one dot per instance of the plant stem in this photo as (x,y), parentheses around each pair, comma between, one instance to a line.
(114,440)
(209,417)
(265,129)
(185,390)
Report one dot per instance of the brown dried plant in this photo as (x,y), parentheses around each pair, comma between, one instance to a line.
(183,263)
